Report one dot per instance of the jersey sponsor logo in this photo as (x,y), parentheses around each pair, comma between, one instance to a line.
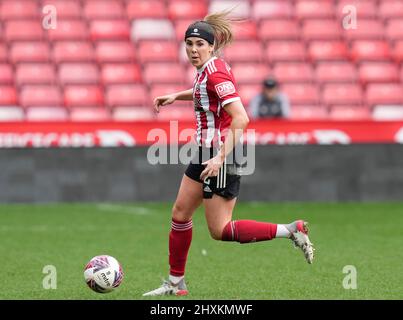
(224,89)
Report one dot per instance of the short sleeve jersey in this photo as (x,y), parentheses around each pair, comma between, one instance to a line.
(214,87)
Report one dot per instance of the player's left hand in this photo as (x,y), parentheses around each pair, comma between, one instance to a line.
(212,167)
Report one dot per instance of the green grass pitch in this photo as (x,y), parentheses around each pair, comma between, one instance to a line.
(366,236)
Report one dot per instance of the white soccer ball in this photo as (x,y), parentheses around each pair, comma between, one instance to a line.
(103,274)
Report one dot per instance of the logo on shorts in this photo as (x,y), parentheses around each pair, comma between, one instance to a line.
(207,189)
(225,88)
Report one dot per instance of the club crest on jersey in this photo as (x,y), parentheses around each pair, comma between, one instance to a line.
(225,88)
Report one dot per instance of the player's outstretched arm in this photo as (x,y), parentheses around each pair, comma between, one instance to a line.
(170,98)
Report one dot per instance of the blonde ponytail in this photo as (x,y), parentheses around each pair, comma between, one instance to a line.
(222,25)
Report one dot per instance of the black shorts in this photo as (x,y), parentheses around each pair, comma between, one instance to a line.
(224,185)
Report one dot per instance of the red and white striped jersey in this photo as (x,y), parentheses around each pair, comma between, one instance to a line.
(213,88)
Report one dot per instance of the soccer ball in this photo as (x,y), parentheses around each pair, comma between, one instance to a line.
(103,274)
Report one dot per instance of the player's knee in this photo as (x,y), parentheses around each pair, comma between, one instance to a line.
(179,212)
(215,233)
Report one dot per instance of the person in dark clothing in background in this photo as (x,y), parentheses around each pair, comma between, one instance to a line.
(270,103)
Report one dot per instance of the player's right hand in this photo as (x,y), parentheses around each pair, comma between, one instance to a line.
(163,101)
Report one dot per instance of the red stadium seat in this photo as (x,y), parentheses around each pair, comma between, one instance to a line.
(367,29)
(164,73)
(293,72)
(391,9)
(81,95)
(141,9)
(66,9)
(29,52)
(387,113)
(364,9)
(127,95)
(109,30)
(367,50)
(378,72)
(183,9)
(321,29)
(73,51)
(143,29)
(190,75)
(336,72)
(245,51)
(180,28)
(349,113)
(69,30)
(153,51)
(78,73)
(89,114)
(157,90)
(176,113)
(302,93)
(115,73)
(342,94)
(384,93)
(272,9)
(394,29)
(47,114)
(17,9)
(102,9)
(133,114)
(18,30)
(249,73)
(248,91)
(240,9)
(11,113)
(275,29)
(327,50)
(285,51)
(35,73)
(115,51)
(305,112)
(308,9)
(3,51)
(6,73)
(8,95)
(40,95)
(398,51)
(246,30)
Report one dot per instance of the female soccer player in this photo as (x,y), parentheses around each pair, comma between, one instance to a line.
(221,119)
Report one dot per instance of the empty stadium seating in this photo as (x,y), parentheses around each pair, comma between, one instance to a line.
(107,60)
(89,114)
(11,113)
(80,95)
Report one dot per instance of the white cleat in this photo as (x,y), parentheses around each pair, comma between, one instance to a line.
(301,240)
(168,288)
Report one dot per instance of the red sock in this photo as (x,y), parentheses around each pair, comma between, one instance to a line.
(245,231)
(180,238)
